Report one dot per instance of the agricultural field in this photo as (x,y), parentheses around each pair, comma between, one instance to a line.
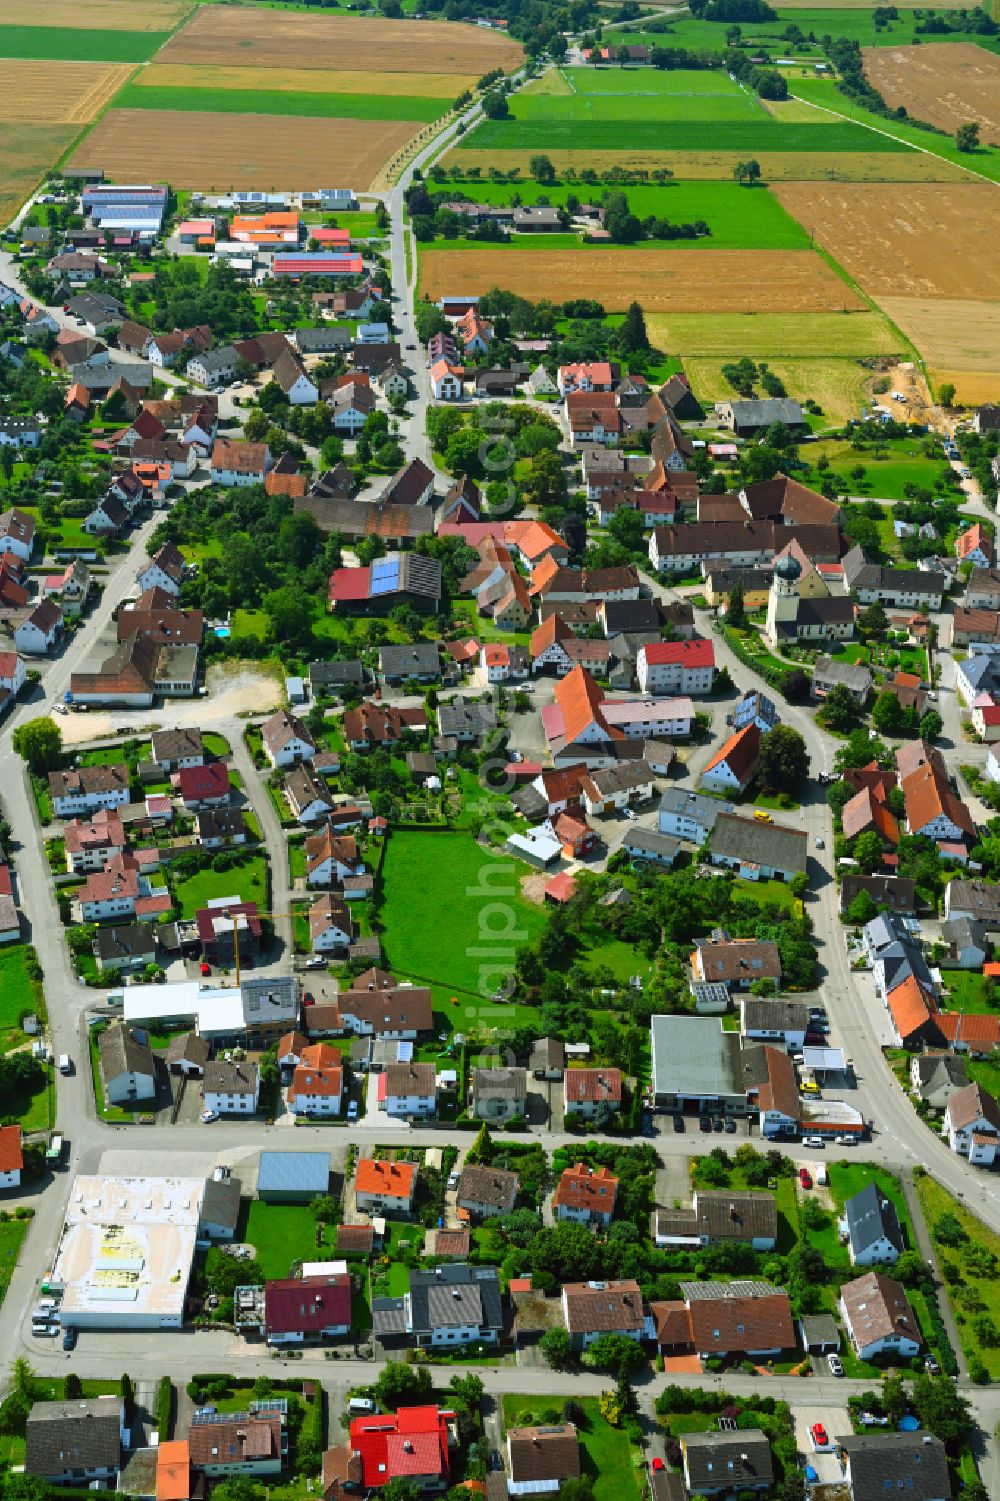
(206,96)
(105,15)
(922,245)
(945,85)
(712,166)
(56,93)
(917,257)
(681,280)
(278,39)
(74,44)
(301,80)
(207,151)
(27,150)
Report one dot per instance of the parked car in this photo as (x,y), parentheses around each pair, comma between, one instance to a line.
(679,1124)
(704,1123)
(69,1339)
(847,1140)
(658,1464)
(820,842)
(730,1125)
(931,1366)
(813,1141)
(352,1110)
(835,1363)
(805,1177)
(209,1115)
(819,1437)
(718,1125)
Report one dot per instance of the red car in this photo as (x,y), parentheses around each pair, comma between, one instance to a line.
(206,969)
(804,1177)
(308,999)
(658,1465)
(819,1436)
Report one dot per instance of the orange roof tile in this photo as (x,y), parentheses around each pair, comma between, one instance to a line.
(911,1007)
(579,698)
(740,752)
(928,795)
(380,1176)
(173,1470)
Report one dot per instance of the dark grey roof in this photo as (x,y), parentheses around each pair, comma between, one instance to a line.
(460,716)
(221,823)
(455,1293)
(909,1464)
(649,843)
(774,1016)
(210,360)
(898,893)
(622,615)
(125,941)
(773,844)
(334,674)
(762,413)
(388,1317)
(83,1434)
(223,1076)
(486,1185)
(853,675)
(298,1172)
(416,659)
(221,1202)
(820,1329)
(727,1459)
(695,805)
(499,1083)
(872,1217)
(965,932)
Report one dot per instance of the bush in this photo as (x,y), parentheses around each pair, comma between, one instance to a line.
(164,1406)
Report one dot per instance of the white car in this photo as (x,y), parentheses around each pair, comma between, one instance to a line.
(208,1116)
(820,843)
(629,814)
(847,1141)
(836,1364)
(813,1141)
(352,1110)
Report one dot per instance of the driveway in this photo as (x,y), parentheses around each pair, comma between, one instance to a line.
(837,1422)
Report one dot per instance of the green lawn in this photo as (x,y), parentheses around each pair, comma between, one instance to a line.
(281,1234)
(444,898)
(966,992)
(606,1459)
(768,893)
(216,745)
(12,1233)
(739,218)
(17,994)
(972,1293)
(578,131)
(248,881)
(80,44)
(282,102)
(885,478)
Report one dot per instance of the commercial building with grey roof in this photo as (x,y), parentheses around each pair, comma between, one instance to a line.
(292,1177)
(696,1065)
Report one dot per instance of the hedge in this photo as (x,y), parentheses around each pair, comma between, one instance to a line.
(164,1406)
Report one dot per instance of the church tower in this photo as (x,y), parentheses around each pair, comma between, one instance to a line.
(783,598)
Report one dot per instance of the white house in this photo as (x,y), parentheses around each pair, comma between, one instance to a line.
(331,858)
(382,1186)
(128,1070)
(874,1234)
(972,1125)
(12,672)
(878,1318)
(330,925)
(317,1086)
(230,1088)
(732,767)
(239,464)
(17,533)
(445,382)
(408,1090)
(164,570)
(689,815)
(686,667)
(37,633)
(286,741)
(85,789)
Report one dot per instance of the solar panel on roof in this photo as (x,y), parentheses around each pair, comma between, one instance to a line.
(385,576)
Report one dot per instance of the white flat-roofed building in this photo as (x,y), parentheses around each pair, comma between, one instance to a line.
(125,1254)
(213,1011)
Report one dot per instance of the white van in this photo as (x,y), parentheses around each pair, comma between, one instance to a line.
(822,1176)
(65,1067)
(361,1404)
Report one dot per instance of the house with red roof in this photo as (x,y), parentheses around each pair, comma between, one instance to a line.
(685,667)
(733,766)
(11,1157)
(307,1310)
(584,376)
(574,724)
(501,663)
(317,1085)
(202,786)
(590,1092)
(411,1445)
(586,1195)
(975,546)
(382,1186)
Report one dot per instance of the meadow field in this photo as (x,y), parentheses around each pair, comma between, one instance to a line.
(716,166)
(207,97)
(945,85)
(78,44)
(678,280)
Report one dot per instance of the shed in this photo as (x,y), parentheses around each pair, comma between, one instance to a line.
(292,1177)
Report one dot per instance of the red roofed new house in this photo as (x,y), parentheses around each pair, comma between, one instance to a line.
(586,1195)
(733,766)
(593,1093)
(975,546)
(202,786)
(676,667)
(411,1444)
(301,1309)
(11,1157)
(318,263)
(584,377)
(317,1085)
(384,1187)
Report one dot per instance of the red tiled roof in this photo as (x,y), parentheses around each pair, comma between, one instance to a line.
(11,1156)
(591,1085)
(911,1007)
(377,1175)
(411,1442)
(195,782)
(307,1304)
(697,653)
(740,753)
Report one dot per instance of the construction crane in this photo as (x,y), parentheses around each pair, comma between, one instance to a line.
(234,919)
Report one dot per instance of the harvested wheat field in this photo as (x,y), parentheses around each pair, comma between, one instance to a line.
(303,81)
(937,240)
(945,83)
(57,93)
(677,280)
(717,166)
(26,154)
(97,15)
(773,335)
(216,36)
(209,151)
(958,339)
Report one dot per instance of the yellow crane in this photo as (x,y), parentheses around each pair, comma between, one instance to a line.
(234,919)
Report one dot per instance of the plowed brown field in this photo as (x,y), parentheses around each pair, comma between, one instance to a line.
(945,83)
(51,93)
(661,280)
(268,39)
(934,240)
(211,151)
(101,15)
